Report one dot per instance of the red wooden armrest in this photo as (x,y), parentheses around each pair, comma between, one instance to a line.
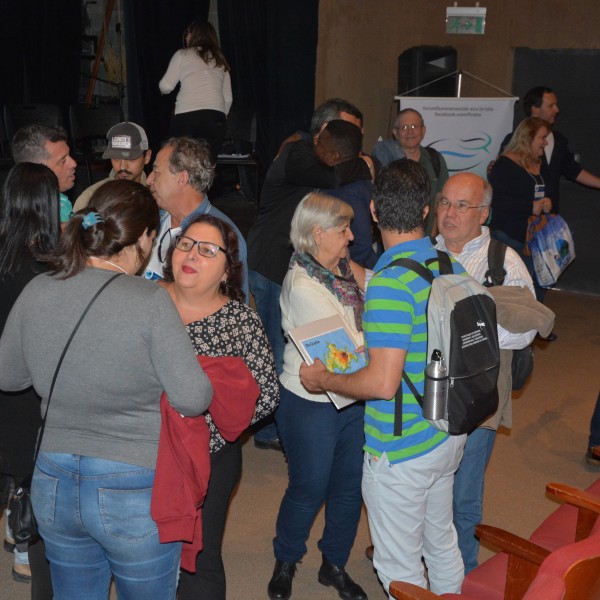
(588,504)
(408,591)
(524,558)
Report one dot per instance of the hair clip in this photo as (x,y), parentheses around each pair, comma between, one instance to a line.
(92,218)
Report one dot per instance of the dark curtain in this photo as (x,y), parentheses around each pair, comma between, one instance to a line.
(40,45)
(154,32)
(271,46)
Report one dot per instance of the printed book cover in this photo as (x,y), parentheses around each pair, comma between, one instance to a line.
(331,341)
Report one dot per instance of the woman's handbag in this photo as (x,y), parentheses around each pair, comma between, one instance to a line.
(22,520)
(551,246)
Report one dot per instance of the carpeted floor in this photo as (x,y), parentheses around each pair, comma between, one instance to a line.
(546,443)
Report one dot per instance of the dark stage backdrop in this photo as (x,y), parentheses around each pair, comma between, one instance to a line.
(271,46)
(154,32)
(40,46)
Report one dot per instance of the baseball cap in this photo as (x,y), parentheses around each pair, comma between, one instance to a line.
(126,140)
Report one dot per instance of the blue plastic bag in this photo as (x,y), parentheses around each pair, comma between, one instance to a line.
(551,247)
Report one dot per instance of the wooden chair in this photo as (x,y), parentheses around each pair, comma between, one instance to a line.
(571,572)
(574,520)
(506,576)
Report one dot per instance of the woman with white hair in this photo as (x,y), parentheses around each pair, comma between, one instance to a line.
(323,445)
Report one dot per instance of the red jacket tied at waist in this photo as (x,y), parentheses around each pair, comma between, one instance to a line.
(183,462)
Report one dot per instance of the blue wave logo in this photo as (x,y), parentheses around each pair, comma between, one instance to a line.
(475,152)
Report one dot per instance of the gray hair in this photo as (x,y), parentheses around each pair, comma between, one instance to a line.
(406,111)
(329,110)
(317,210)
(29,143)
(488,192)
(192,156)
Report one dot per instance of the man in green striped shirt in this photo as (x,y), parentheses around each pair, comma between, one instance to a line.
(408,478)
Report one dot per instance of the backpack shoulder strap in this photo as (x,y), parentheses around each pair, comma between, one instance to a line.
(413,265)
(434,155)
(496,272)
(423,270)
(445,268)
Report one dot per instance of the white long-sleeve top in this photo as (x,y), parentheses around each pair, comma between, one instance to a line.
(474,258)
(203,86)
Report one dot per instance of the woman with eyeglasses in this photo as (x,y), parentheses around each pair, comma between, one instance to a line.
(94,474)
(203,275)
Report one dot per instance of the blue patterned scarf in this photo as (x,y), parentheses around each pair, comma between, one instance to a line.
(343,287)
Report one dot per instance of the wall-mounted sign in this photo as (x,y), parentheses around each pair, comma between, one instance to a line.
(465,20)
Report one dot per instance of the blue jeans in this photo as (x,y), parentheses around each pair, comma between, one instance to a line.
(468,492)
(94,517)
(266,295)
(324,454)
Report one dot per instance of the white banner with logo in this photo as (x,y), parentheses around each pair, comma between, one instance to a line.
(467,131)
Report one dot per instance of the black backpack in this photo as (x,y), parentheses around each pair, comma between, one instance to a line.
(461,323)
(522,360)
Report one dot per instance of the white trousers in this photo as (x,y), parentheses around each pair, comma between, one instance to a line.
(409,505)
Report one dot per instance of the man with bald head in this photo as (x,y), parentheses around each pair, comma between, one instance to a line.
(462,210)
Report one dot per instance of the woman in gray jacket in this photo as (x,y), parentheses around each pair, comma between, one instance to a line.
(93,478)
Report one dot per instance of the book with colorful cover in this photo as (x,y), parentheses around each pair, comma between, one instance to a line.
(331,341)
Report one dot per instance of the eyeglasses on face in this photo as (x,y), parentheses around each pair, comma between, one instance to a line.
(207,249)
(406,128)
(461,207)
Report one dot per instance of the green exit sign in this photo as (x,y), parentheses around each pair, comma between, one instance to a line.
(465,20)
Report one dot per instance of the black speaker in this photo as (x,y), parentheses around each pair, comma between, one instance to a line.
(420,67)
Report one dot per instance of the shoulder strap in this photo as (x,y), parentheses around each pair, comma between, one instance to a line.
(443,260)
(445,268)
(434,155)
(496,272)
(62,356)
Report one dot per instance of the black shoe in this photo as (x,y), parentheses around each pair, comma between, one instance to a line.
(274,444)
(590,458)
(8,546)
(280,586)
(552,337)
(330,575)
(21,573)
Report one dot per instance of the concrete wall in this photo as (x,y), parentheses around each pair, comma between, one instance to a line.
(360,41)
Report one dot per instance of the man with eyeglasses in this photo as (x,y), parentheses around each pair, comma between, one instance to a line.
(182,173)
(462,210)
(408,131)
